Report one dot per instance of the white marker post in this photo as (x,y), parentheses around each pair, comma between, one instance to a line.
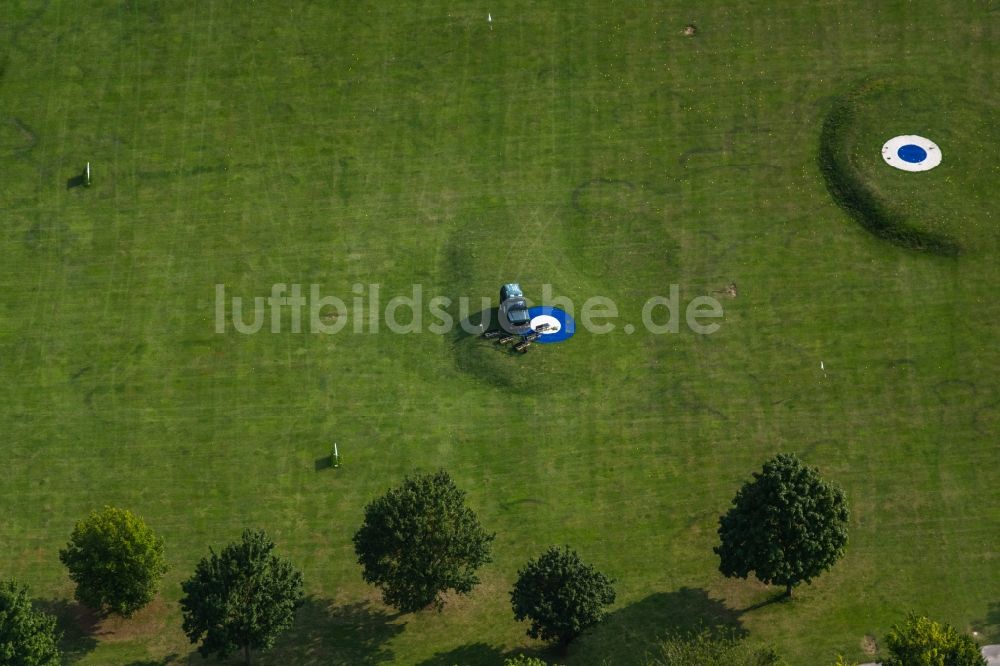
(86,175)
(335,458)
(489,19)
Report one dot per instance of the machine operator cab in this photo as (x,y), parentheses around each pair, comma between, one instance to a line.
(513,311)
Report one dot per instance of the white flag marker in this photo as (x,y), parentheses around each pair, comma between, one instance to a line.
(489,19)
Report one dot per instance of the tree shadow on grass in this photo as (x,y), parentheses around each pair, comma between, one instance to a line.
(989,626)
(628,635)
(489,362)
(481,654)
(474,654)
(477,323)
(355,634)
(993,614)
(780,597)
(79,625)
(166,661)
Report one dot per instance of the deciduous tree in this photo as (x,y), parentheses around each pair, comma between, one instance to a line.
(115,560)
(523,660)
(786,526)
(242,599)
(712,649)
(920,641)
(28,637)
(419,540)
(560,595)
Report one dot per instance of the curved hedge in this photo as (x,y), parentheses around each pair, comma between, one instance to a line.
(848,188)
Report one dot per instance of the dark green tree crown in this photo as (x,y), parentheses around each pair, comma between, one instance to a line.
(28,637)
(560,595)
(419,540)
(242,598)
(786,526)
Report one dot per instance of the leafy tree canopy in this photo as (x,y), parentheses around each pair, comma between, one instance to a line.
(241,599)
(28,637)
(419,540)
(560,595)
(787,525)
(711,649)
(921,641)
(522,660)
(115,560)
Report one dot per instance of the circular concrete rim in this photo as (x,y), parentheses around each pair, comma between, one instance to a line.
(890,153)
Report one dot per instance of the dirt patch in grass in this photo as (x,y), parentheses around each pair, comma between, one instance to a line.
(148,621)
(490,587)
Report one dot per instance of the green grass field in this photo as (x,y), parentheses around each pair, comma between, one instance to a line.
(594,148)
